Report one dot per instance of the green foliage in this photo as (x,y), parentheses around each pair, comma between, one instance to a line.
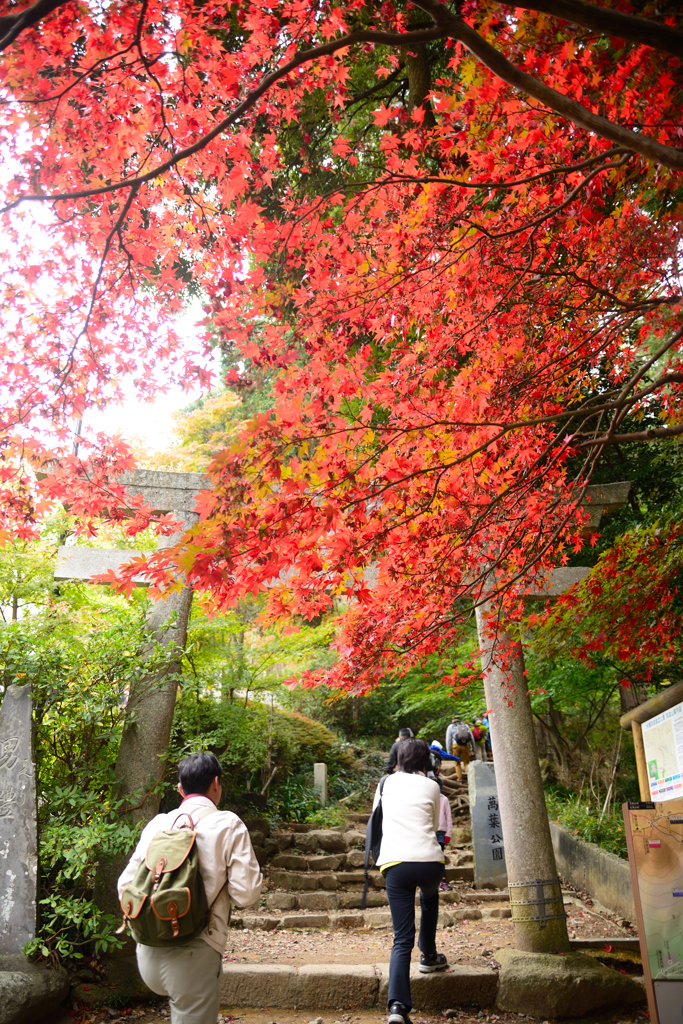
(232,651)
(328,817)
(26,577)
(429,695)
(584,821)
(79,655)
(571,685)
(294,799)
(422,699)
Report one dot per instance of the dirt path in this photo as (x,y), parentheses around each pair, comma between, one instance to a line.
(467,942)
(265,1016)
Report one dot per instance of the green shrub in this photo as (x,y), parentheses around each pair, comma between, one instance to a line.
(583,821)
(328,817)
(80,658)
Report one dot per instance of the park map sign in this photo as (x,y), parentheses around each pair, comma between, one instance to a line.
(663,742)
(654,833)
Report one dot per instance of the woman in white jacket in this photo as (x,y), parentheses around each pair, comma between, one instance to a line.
(410,858)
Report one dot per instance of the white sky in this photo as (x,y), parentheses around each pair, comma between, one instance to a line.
(150,422)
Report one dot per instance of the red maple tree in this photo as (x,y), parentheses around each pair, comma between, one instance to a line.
(465,288)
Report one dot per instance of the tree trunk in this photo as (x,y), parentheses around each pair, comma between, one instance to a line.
(141,759)
(418,71)
(146,734)
(540,925)
(631,696)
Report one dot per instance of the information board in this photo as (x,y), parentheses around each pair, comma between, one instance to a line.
(663,743)
(654,833)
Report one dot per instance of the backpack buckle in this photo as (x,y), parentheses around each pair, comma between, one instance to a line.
(158,872)
(172,911)
(126,914)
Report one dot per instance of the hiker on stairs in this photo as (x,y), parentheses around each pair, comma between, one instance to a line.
(462,744)
(410,858)
(479,733)
(187,968)
(403,734)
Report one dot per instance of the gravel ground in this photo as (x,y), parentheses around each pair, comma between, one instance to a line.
(466,942)
(250,1016)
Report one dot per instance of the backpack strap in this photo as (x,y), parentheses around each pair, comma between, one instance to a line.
(195,821)
(210,910)
(197,818)
(368,832)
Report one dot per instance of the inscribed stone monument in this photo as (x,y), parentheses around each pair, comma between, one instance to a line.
(18,832)
(487,832)
(320,781)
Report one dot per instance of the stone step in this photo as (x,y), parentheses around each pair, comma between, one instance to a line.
(307,882)
(487,896)
(347,918)
(284,902)
(319,862)
(334,986)
(459,874)
(295,881)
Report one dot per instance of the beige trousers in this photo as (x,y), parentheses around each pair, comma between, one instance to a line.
(188,975)
(461,750)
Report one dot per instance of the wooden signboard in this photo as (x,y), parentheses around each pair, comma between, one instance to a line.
(654,837)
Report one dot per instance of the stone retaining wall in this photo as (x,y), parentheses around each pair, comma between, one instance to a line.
(602,874)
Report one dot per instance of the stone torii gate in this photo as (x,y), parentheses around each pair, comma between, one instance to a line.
(535,891)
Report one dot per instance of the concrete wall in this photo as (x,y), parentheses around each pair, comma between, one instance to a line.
(602,874)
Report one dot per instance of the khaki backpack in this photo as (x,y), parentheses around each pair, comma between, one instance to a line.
(165,904)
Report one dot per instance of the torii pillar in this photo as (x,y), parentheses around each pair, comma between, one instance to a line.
(535,891)
(141,760)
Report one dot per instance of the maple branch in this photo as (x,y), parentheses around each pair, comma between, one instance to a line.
(436,180)
(669,343)
(532,225)
(302,57)
(456,28)
(611,23)
(653,434)
(12,25)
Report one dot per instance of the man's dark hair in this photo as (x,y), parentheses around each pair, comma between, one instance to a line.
(405,734)
(413,756)
(197,772)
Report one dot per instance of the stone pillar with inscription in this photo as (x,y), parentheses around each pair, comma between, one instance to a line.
(320,781)
(18,826)
(487,831)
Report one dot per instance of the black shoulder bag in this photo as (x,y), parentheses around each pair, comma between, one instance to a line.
(373,840)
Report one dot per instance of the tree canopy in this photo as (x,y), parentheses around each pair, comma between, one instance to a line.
(448,235)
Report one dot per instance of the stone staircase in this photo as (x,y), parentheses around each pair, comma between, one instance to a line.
(314,877)
(314,880)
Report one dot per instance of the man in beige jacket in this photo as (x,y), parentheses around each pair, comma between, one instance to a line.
(190,974)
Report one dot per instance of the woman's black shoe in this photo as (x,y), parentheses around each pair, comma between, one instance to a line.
(436,962)
(398,1014)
